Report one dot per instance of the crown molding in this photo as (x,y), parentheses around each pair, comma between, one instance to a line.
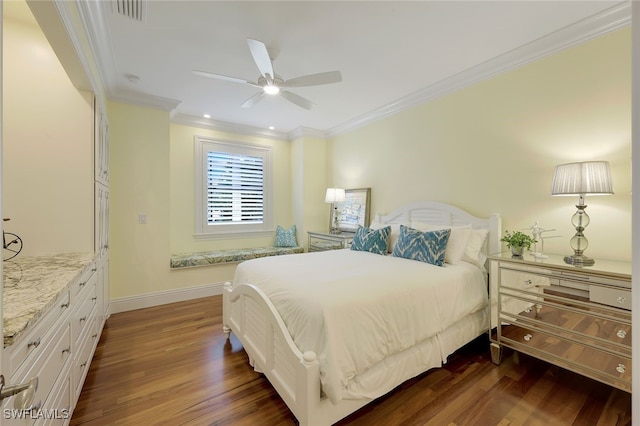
(612,19)
(306,132)
(143,99)
(223,126)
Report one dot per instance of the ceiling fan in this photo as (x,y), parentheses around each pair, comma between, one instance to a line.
(273,84)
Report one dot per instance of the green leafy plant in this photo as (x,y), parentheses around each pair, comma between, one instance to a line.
(518,239)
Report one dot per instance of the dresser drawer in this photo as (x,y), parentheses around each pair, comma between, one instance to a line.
(611,296)
(591,327)
(30,346)
(611,368)
(524,279)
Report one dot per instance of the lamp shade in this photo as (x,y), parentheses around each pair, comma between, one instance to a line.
(334,195)
(588,177)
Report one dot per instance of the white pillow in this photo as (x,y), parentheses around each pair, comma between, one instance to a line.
(476,251)
(393,236)
(458,239)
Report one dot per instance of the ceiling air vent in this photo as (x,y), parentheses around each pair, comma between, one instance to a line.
(132,9)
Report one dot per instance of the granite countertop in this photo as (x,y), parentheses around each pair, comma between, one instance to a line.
(32,284)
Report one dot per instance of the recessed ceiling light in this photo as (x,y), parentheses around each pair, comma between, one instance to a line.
(271,127)
(132,78)
(206,116)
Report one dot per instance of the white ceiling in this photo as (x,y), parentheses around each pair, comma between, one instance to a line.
(387,51)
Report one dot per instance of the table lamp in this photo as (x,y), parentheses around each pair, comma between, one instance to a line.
(581,179)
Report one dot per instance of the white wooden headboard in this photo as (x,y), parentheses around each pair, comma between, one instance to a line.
(436,213)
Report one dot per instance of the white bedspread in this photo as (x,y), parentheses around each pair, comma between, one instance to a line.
(354,309)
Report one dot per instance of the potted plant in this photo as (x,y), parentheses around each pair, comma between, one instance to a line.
(517,241)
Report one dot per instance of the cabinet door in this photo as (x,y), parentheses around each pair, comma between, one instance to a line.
(101,241)
(101,144)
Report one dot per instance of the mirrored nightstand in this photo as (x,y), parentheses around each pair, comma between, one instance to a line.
(321,241)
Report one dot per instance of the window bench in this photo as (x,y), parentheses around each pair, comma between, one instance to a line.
(218,257)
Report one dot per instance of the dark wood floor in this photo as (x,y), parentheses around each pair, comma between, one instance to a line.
(172,365)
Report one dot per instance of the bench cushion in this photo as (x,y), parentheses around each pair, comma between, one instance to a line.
(215,257)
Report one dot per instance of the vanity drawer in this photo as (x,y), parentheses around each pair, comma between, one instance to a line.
(611,368)
(47,367)
(83,357)
(610,296)
(84,309)
(58,405)
(28,347)
(82,281)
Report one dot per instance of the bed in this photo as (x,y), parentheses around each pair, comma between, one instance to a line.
(334,330)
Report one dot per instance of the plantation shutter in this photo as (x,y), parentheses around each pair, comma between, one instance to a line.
(235,188)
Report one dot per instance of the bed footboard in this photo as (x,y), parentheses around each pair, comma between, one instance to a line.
(294,375)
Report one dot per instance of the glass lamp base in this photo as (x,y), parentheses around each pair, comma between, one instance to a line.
(579,260)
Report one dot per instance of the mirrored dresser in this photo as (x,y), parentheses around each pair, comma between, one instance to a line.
(575,318)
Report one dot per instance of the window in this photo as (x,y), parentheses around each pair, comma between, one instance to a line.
(233,189)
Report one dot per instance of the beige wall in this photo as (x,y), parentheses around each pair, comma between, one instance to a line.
(488,148)
(183,189)
(47,143)
(152,173)
(492,147)
(308,162)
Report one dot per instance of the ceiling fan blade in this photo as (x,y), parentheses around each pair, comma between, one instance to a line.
(297,99)
(224,77)
(261,58)
(315,79)
(253,100)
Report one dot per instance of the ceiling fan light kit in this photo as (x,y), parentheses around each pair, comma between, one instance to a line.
(272,84)
(271,87)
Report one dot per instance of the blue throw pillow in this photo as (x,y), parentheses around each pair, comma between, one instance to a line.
(426,247)
(286,238)
(371,240)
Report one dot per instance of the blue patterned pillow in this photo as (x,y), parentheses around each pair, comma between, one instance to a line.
(286,238)
(371,240)
(426,247)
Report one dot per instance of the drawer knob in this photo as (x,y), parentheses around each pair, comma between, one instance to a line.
(528,283)
(65,305)
(66,351)
(34,343)
(82,284)
(528,337)
(621,334)
(83,319)
(622,300)
(621,368)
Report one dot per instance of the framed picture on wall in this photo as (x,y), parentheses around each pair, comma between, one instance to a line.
(354,210)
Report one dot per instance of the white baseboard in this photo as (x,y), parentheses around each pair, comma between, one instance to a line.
(131,303)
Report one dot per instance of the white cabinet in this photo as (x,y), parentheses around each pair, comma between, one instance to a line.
(101,210)
(101,226)
(101,144)
(576,318)
(57,348)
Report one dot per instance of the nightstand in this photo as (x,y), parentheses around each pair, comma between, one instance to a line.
(321,241)
(575,318)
